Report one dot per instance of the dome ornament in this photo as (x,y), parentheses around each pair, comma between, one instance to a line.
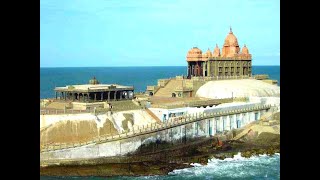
(230,30)
(94,81)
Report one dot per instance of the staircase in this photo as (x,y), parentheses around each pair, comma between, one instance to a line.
(169,88)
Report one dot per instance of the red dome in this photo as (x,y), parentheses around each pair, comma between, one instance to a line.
(231,39)
(194,54)
(245,50)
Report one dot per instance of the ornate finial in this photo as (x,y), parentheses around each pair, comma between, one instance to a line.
(216,45)
(230,29)
(244,45)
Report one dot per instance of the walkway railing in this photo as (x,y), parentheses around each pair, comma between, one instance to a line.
(152,128)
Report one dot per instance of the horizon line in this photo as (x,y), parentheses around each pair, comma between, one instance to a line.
(124,66)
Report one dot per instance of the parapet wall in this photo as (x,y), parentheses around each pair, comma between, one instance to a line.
(87,106)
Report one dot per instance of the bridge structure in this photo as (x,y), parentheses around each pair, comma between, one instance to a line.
(202,124)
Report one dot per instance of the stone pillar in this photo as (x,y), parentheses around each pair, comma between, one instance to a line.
(82,98)
(208,68)
(241,120)
(218,124)
(242,115)
(251,116)
(56,95)
(221,124)
(121,93)
(78,96)
(213,127)
(197,128)
(127,94)
(95,97)
(228,123)
(101,96)
(109,95)
(207,121)
(191,70)
(235,121)
(88,97)
(115,95)
(204,65)
(225,125)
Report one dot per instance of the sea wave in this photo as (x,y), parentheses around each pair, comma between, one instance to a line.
(255,167)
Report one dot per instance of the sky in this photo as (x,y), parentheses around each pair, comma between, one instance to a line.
(110,33)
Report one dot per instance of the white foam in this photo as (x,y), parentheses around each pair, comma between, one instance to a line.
(195,164)
(237,167)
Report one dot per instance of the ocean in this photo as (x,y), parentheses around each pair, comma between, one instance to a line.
(139,77)
(259,167)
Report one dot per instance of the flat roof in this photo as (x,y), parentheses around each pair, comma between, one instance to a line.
(94,87)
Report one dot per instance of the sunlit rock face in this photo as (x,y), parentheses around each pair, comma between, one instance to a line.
(237,88)
(69,128)
(68,131)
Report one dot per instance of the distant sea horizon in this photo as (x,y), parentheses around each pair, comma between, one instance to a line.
(138,76)
(122,66)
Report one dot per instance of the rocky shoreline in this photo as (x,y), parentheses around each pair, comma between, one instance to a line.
(147,168)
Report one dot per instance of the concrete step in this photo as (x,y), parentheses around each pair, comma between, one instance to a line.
(169,88)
